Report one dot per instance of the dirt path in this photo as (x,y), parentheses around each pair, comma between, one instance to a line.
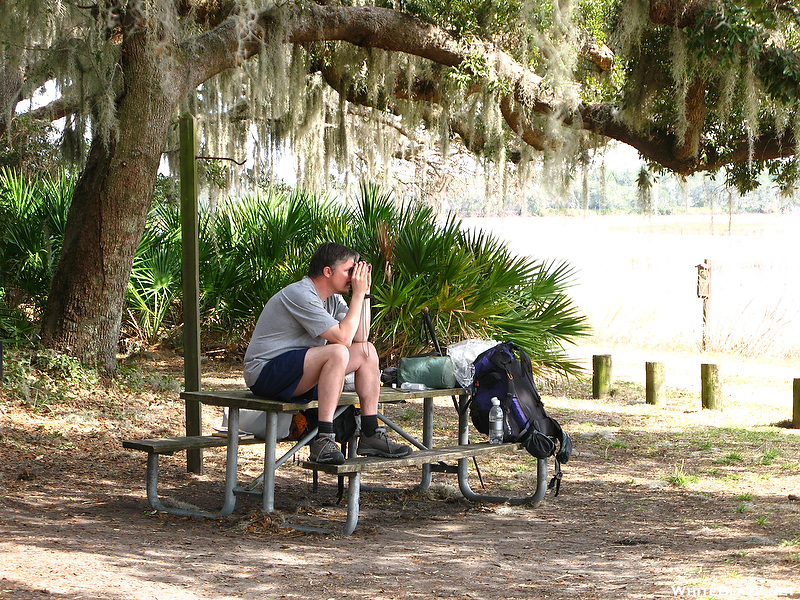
(655,504)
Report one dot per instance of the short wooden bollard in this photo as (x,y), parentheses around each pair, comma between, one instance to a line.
(655,373)
(601,379)
(796,404)
(711,386)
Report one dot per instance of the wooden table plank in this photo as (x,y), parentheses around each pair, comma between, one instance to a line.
(247,399)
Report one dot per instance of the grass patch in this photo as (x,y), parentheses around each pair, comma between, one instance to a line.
(790,542)
(743,435)
(769,455)
(680,478)
(762,520)
(730,459)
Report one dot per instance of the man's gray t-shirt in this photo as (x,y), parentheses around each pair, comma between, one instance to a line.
(293,318)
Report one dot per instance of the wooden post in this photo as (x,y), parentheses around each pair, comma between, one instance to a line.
(796,404)
(601,380)
(655,373)
(703,291)
(711,386)
(191,285)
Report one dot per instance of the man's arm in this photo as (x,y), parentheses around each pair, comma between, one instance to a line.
(362,333)
(345,332)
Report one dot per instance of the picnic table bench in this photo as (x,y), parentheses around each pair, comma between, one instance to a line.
(427,457)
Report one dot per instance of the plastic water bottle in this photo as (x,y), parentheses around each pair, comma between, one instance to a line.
(415,387)
(496,422)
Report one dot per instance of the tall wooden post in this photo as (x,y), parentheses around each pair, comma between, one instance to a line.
(601,380)
(703,287)
(711,386)
(796,404)
(654,383)
(191,285)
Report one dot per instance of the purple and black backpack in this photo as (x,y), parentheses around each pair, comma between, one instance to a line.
(504,371)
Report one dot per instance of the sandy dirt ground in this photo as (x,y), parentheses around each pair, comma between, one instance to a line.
(656,503)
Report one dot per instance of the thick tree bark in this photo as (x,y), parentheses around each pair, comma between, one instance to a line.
(11,80)
(678,13)
(107,217)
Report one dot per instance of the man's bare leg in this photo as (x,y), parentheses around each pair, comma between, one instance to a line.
(364,362)
(325,366)
(373,440)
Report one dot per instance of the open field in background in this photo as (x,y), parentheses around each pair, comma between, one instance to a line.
(636,277)
(636,280)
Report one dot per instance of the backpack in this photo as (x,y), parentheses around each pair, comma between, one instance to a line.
(344,426)
(504,371)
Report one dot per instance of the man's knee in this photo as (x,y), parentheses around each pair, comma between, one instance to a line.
(338,353)
(365,353)
(330,355)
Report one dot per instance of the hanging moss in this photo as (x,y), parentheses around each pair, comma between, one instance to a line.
(680,79)
(751,108)
(282,98)
(729,79)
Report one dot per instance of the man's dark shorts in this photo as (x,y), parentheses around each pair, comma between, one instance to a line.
(279,378)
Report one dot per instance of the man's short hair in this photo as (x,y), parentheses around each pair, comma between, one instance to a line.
(330,254)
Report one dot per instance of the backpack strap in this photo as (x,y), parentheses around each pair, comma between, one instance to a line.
(555,482)
(500,359)
(524,359)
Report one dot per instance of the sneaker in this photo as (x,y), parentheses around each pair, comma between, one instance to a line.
(324,449)
(380,445)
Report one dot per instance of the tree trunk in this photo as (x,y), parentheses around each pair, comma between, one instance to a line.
(107,217)
(11,80)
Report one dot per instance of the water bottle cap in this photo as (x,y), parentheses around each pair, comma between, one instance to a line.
(496,401)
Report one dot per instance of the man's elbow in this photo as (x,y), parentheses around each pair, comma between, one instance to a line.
(338,339)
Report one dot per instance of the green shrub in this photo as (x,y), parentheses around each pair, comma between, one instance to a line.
(252,247)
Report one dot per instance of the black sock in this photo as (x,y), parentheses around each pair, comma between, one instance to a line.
(326,427)
(369,423)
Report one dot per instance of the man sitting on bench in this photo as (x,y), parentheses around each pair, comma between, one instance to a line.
(307,339)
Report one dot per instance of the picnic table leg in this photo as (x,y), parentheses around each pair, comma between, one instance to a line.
(353,491)
(270,442)
(152,492)
(231,463)
(463,469)
(533,499)
(152,483)
(231,469)
(427,440)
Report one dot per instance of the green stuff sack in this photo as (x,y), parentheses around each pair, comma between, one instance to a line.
(436,372)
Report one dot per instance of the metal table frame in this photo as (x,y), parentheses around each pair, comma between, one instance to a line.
(236,400)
